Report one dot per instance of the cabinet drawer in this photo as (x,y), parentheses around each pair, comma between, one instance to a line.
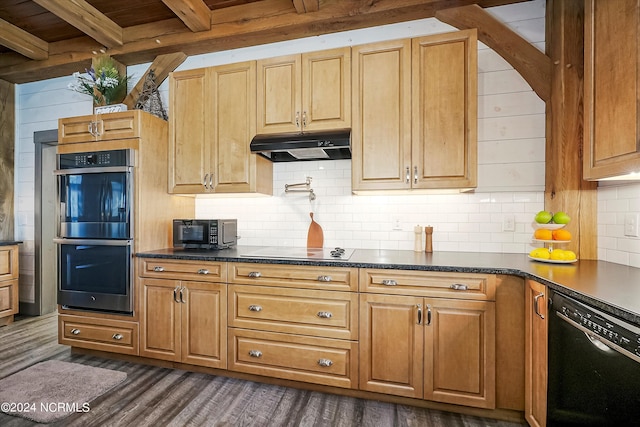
(315,360)
(8,262)
(201,271)
(98,334)
(304,312)
(123,125)
(295,276)
(473,286)
(8,297)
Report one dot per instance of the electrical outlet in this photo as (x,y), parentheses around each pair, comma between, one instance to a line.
(631,225)
(509,223)
(396,224)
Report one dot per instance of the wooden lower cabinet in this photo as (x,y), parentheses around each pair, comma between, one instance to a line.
(116,336)
(536,354)
(428,348)
(184,321)
(9,271)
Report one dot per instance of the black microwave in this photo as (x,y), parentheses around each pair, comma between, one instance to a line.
(205,233)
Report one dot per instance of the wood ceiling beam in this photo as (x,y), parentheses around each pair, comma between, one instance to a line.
(161,66)
(233,27)
(87,19)
(531,63)
(304,6)
(195,14)
(17,39)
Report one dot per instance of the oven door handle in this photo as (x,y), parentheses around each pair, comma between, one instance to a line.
(95,242)
(80,171)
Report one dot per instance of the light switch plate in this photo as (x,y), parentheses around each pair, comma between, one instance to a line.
(631,225)
(509,223)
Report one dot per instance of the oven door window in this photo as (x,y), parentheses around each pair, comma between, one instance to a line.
(95,268)
(95,205)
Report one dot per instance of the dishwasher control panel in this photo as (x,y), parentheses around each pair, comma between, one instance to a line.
(616,331)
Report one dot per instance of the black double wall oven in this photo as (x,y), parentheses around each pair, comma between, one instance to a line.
(95,230)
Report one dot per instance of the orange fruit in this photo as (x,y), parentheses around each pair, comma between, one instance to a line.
(543,234)
(561,234)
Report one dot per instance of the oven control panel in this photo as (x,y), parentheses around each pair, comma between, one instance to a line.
(623,335)
(96,159)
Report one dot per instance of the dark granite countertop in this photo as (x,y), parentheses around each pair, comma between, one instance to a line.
(9,242)
(613,288)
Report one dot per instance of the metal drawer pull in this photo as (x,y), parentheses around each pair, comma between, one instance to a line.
(325,314)
(408,174)
(428,314)
(255,274)
(535,305)
(324,278)
(415,174)
(75,331)
(419,314)
(175,293)
(389,282)
(204,181)
(255,308)
(158,268)
(325,362)
(459,287)
(203,271)
(255,353)
(117,336)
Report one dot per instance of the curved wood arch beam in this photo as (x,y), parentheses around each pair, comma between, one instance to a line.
(161,66)
(533,65)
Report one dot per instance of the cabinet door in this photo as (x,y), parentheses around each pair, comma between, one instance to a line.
(381,122)
(536,354)
(160,323)
(204,324)
(233,124)
(611,88)
(189,141)
(460,352)
(391,345)
(99,127)
(279,94)
(444,109)
(326,89)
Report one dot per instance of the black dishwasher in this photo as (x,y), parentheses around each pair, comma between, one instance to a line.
(594,367)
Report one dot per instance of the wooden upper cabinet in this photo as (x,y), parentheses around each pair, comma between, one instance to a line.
(307,92)
(415,113)
(444,110)
(100,127)
(189,148)
(611,140)
(381,125)
(212,122)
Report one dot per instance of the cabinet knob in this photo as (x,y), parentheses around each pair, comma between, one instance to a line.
(459,287)
(256,308)
(117,337)
(158,269)
(255,274)
(325,314)
(324,278)
(389,282)
(325,363)
(255,353)
(203,271)
(75,331)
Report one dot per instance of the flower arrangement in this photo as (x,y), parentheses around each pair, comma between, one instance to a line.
(103,83)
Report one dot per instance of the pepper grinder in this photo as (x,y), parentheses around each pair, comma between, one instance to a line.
(428,243)
(417,246)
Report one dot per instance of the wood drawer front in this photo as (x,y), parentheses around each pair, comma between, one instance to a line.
(295,276)
(201,271)
(315,360)
(8,297)
(472,286)
(121,125)
(304,312)
(98,334)
(8,262)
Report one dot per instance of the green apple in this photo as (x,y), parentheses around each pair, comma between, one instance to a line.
(543,217)
(561,218)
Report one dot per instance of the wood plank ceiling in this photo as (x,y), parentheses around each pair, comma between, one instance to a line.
(42,39)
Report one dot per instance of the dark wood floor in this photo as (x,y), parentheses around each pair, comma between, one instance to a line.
(154,396)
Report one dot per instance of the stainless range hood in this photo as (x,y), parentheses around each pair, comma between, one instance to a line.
(293,147)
